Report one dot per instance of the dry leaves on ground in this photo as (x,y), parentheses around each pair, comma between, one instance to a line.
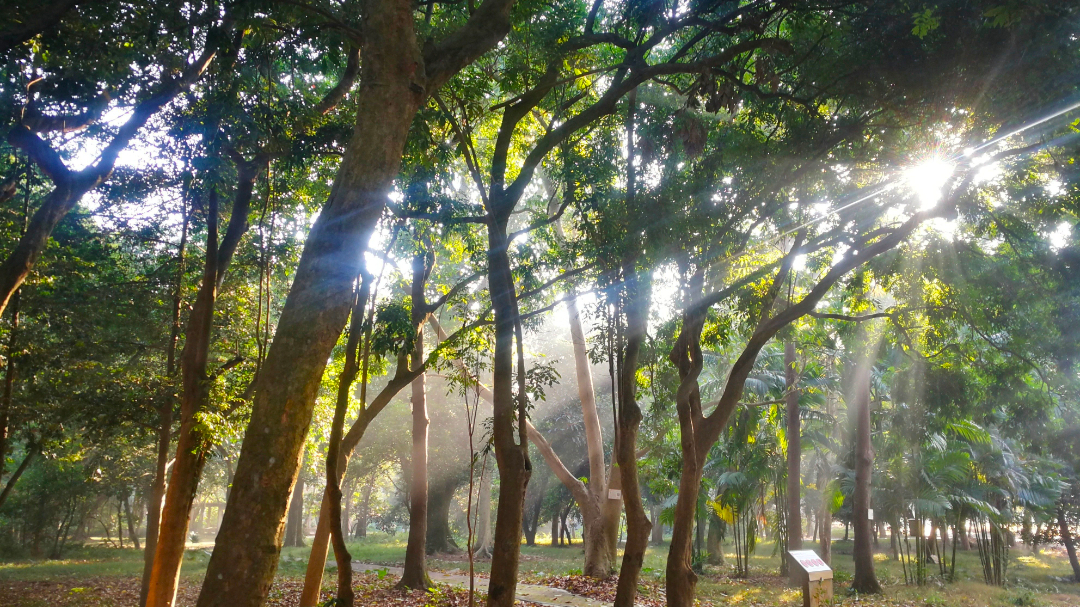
(372,590)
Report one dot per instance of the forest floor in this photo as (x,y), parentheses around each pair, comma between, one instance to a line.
(94,576)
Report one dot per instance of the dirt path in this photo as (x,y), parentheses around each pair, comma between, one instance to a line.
(541,595)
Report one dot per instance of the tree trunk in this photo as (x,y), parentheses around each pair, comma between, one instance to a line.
(483,544)
(864,580)
(439,539)
(681,580)
(511,455)
(9,382)
(365,509)
(1067,539)
(165,419)
(658,527)
(713,544)
(31,451)
(294,533)
(131,524)
(532,519)
(556,531)
(192,446)
(794,462)
(395,80)
(403,376)
(638,525)
(825,519)
(600,514)
(415,574)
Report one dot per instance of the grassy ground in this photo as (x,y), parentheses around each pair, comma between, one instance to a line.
(1033,580)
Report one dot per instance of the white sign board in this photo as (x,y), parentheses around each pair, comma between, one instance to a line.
(812,564)
(614,494)
(870,513)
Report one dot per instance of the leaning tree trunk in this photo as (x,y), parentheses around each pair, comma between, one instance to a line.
(415,574)
(165,419)
(864,581)
(1067,539)
(794,462)
(396,79)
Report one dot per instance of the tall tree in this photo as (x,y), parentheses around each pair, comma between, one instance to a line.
(396,77)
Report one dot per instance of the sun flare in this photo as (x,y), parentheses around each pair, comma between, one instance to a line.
(927,179)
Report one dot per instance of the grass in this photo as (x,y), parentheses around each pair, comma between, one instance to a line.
(1034,580)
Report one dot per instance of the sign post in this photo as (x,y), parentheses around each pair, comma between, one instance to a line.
(817,582)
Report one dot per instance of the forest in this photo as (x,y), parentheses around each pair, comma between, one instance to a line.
(442,303)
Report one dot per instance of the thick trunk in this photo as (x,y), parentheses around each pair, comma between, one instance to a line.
(556,531)
(395,80)
(439,539)
(294,526)
(864,580)
(512,456)
(415,574)
(1067,539)
(246,554)
(794,462)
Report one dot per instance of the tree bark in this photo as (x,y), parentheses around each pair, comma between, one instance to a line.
(658,527)
(686,355)
(794,462)
(9,383)
(403,376)
(192,446)
(131,524)
(294,526)
(864,580)
(512,456)
(439,539)
(483,544)
(1067,539)
(713,544)
(415,574)
(165,418)
(395,80)
(637,523)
